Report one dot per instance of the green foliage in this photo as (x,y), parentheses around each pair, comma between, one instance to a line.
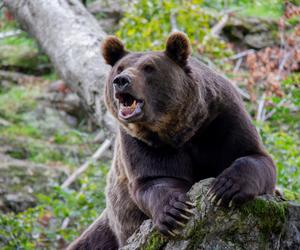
(147,24)
(19,40)
(15,230)
(41,227)
(257,8)
(70,137)
(281,134)
(284,148)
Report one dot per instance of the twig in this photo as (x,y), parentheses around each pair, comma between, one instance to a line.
(80,170)
(272,112)
(243,93)
(239,55)
(238,65)
(105,145)
(260,111)
(173,22)
(65,223)
(10,33)
(217,28)
(282,63)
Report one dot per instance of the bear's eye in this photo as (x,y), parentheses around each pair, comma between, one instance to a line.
(120,69)
(148,68)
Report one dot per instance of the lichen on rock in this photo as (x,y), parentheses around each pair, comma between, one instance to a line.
(267,222)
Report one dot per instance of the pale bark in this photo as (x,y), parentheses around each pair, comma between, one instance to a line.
(71,37)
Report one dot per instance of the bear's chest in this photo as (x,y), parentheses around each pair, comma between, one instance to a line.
(193,162)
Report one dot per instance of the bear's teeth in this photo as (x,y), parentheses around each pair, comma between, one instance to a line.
(128,110)
(133,105)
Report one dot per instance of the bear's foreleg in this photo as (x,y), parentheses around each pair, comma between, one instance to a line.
(98,236)
(165,201)
(246,178)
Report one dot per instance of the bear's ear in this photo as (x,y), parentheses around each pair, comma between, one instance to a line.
(178,48)
(113,50)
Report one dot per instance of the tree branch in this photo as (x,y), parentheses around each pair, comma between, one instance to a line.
(106,144)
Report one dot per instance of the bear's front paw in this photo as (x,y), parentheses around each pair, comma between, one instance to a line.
(227,190)
(174,215)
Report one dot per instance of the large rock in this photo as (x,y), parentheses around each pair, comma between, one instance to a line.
(21,181)
(251,32)
(265,223)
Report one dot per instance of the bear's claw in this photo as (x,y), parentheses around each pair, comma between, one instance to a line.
(174,215)
(171,233)
(180,223)
(184,216)
(229,189)
(222,191)
(191,204)
(189,211)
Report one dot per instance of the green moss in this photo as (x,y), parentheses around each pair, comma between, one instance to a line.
(155,242)
(196,235)
(270,216)
(290,195)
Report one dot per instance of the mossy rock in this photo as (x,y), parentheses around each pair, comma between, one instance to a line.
(252,32)
(268,222)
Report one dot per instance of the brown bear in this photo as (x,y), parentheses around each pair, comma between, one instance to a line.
(179,122)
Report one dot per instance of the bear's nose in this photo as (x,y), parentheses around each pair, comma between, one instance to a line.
(121,82)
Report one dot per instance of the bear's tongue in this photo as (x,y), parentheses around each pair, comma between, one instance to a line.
(128,110)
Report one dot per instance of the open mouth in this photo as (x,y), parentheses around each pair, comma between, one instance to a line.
(129,107)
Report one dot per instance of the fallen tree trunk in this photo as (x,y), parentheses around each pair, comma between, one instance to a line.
(71,37)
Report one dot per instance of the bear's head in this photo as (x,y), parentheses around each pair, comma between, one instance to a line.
(153,94)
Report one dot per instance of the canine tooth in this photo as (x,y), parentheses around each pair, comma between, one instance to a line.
(133,105)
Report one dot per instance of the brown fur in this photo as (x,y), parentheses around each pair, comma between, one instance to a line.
(193,126)
(178,48)
(112,50)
